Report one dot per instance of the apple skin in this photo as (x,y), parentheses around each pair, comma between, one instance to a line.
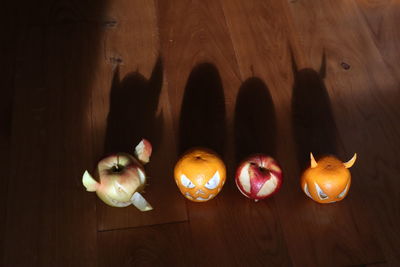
(258,177)
(117,187)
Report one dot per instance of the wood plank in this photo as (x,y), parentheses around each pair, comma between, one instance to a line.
(363,99)
(255,120)
(160,245)
(24,117)
(133,106)
(381,19)
(7,74)
(262,34)
(238,77)
(203,81)
(377,264)
(51,220)
(199,41)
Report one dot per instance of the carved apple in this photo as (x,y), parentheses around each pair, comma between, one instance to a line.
(258,177)
(122,178)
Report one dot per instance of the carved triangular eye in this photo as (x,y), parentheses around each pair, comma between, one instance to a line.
(344,191)
(186,182)
(321,193)
(306,190)
(213,182)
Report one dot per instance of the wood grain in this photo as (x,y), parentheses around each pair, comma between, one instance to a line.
(333,244)
(381,20)
(337,30)
(201,45)
(85,78)
(160,245)
(7,73)
(200,36)
(194,50)
(50,219)
(133,106)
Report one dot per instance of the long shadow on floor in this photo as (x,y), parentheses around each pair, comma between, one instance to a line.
(133,111)
(203,119)
(313,121)
(255,120)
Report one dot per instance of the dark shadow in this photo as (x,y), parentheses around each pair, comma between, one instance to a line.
(313,121)
(255,120)
(50,63)
(133,108)
(203,119)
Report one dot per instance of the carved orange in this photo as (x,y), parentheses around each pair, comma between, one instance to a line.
(200,174)
(327,180)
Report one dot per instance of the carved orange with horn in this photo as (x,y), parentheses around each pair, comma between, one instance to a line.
(327,180)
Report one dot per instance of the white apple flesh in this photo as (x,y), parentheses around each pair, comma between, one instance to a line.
(258,177)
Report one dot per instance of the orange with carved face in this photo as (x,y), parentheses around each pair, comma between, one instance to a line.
(327,180)
(200,174)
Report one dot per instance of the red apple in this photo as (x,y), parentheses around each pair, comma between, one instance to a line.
(258,176)
(122,178)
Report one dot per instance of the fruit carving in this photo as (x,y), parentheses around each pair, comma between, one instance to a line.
(327,180)
(258,177)
(200,174)
(122,178)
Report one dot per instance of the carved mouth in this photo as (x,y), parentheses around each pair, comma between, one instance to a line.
(198,198)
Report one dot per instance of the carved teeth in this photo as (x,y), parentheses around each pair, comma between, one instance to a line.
(188,195)
(198,198)
(203,199)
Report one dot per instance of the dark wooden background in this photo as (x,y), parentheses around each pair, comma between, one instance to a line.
(286,77)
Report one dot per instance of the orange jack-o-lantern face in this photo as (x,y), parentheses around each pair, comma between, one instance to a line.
(200,175)
(327,180)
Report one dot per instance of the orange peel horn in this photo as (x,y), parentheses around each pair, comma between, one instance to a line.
(313,162)
(351,162)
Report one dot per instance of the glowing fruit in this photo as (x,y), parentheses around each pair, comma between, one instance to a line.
(258,177)
(122,178)
(200,174)
(327,180)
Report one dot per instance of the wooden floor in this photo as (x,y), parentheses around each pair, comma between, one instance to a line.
(284,77)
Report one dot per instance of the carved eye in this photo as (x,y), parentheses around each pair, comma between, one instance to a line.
(186,182)
(213,182)
(321,193)
(306,190)
(344,191)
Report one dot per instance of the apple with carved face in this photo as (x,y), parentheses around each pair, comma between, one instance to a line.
(122,178)
(258,176)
